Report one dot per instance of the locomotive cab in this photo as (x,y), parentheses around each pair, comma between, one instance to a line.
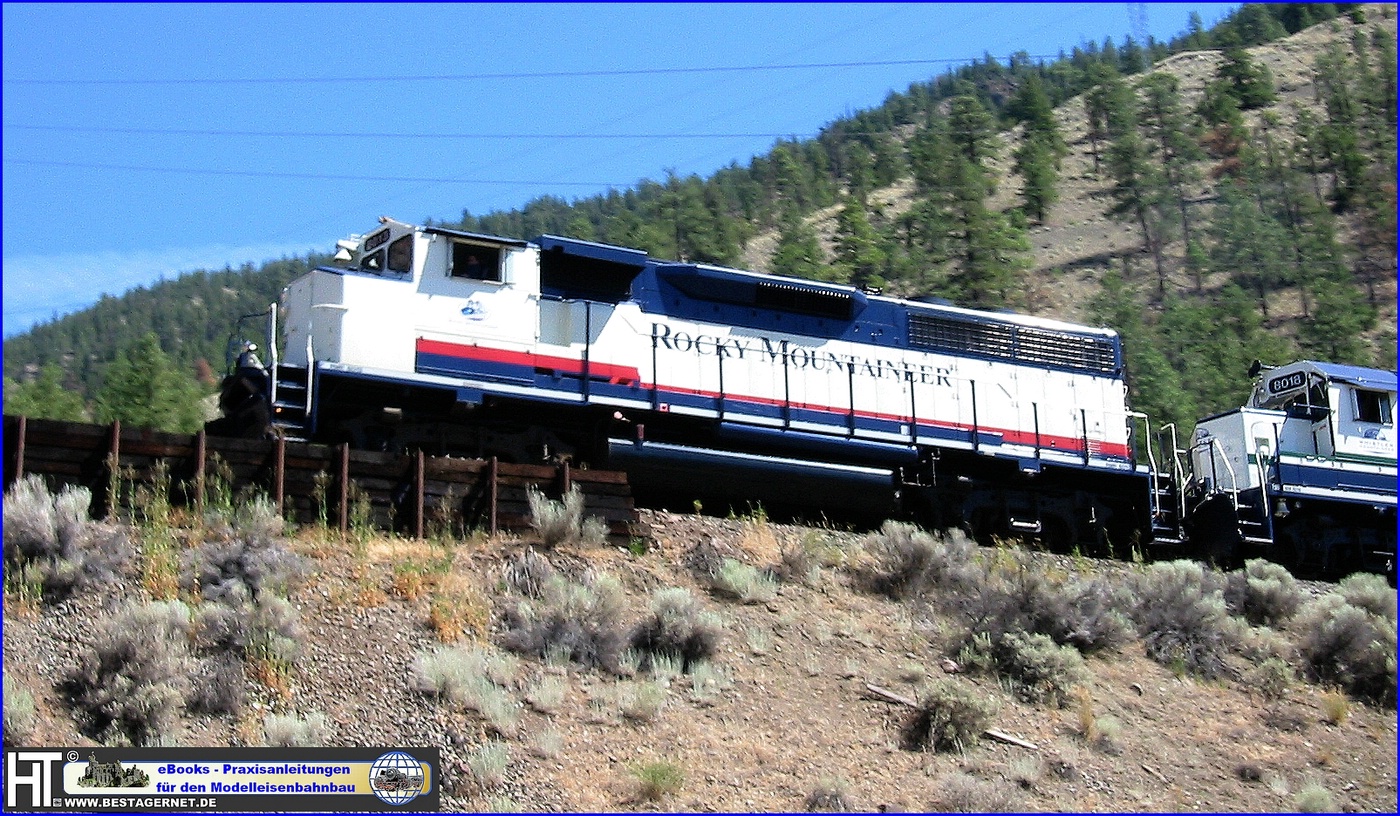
(1305,472)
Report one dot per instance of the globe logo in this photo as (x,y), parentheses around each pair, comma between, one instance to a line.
(396,778)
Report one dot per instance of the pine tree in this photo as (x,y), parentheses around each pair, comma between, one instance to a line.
(798,253)
(1035,162)
(143,388)
(858,251)
(45,397)
(1249,244)
(1177,144)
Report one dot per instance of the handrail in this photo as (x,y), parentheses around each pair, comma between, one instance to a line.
(272,354)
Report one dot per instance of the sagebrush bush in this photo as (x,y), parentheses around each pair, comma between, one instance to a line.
(963,793)
(583,619)
(1271,678)
(52,541)
(911,562)
(1314,798)
(291,731)
(133,682)
(1263,593)
(1014,595)
(20,713)
(217,686)
(1039,670)
(950,717)
(253,560)
(1348,646)
(1371,593)
(1180,615)
(678,626)
(830,795)
(563,522)
(462,675)
(744,583)
(642,701)
(527,574)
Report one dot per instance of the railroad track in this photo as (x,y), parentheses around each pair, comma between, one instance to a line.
(406,492)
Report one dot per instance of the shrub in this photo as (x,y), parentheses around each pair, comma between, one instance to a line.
(548,742)
(527,574)
(1348,646)
(20,713)
(706,682)
(1019,597)
(546,695)
(1314,798)
(677,626)
(1039,670)
(563,522)
(51,540)
(961,793)
(290,731)
(744,583)
(1180,615)
(643,702)
(217,686)
(911,562)
(472,677)
(949,718)
(829,796)
(583,618)
(1371,593)
(489,761)
(1263,593)
(254,560)
(1271,678)
(657,780)
(133,682)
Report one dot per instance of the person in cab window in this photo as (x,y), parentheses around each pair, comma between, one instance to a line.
(474,270)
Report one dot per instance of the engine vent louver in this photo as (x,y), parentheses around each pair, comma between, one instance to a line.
(1021,344)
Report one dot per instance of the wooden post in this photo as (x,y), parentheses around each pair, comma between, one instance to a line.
(344,487)
(19,448)
(566,481)
(418,494)
(491,489)
(199,452)
(279,475)
(114,469)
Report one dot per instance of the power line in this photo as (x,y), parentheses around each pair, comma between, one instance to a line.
(512,75)
(369,135)
(321,176)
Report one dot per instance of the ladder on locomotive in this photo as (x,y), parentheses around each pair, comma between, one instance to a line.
(289,390)
(1167,501)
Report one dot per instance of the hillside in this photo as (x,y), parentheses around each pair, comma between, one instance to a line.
(1289,194)
(778,720)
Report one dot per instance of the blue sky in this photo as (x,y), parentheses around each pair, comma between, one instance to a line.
(145,140)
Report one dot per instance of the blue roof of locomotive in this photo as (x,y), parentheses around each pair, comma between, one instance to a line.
(1376,378)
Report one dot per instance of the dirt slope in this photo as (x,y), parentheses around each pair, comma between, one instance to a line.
(788,714)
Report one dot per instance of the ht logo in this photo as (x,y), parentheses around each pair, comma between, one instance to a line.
(38,776)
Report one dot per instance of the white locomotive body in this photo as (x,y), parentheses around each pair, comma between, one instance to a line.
(713,383)
(731,388)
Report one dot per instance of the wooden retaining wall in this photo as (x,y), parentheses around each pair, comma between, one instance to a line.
(406,492)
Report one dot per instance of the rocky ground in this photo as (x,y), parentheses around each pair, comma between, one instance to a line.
(786,715)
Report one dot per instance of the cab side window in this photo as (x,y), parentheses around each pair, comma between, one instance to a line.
(401,254)
(475,262)
(1373,406)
